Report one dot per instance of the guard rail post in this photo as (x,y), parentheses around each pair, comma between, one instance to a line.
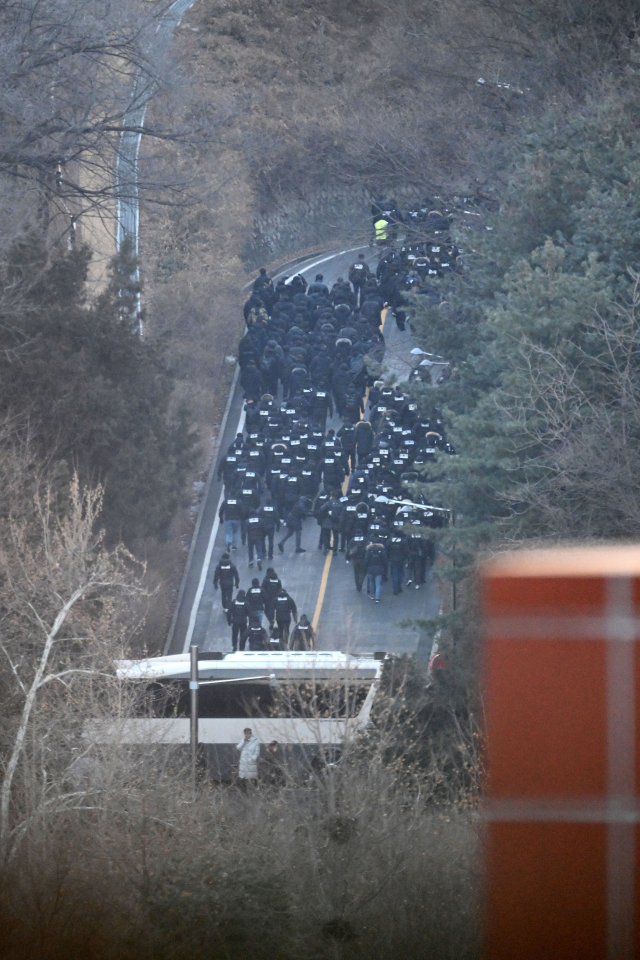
(193,725)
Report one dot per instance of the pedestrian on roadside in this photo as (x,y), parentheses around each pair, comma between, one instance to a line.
(225,576)
(397,555)
(230,514)
(249,748)
(270,522)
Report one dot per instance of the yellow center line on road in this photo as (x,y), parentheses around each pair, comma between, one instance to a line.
(322,590)
(329,557)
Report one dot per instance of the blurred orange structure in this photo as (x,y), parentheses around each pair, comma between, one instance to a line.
(561,679)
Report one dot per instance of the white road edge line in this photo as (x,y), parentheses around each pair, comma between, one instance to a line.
(316,263)
(207,560)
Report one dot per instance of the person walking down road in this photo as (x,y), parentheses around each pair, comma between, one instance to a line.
(249,748)
(318,287)
(257,637)
(237,615)
(255,600)
(363,440)
(230,514)
(270,522)
(397,554)
(359,273)
(303,636)
(255,538)
(381,231)
(355,556)
(375,559)
(285,610)
(293,524)
(271,586)
(275,638)
(225,576)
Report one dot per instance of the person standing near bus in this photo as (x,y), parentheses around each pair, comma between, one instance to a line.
(249,748)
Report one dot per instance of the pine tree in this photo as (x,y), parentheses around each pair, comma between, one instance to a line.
(541,330)
(98,395)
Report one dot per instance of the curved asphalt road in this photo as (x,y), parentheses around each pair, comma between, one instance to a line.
(323,589)
(127,162)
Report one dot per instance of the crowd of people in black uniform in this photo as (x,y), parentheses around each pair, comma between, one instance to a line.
(303,360)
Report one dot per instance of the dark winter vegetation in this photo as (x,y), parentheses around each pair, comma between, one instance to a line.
(94,394)
(532,108)
(543,330)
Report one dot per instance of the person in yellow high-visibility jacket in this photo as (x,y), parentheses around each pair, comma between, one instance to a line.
(381,229)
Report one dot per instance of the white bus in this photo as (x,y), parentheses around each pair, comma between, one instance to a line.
(315,700)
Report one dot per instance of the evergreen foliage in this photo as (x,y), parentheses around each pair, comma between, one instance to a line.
(97,394)
(544,407)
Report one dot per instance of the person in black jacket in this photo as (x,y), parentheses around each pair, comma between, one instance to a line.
(397,555)
(330,517)
(355,556)
(346,435)
(270,522)
(303,635)
(256,635)
(285,610)
(321,405)
(375,559)
(294,524)
(255,537)
(363,440)
(230,514)
(255,600)
(238,614)
(224,576)
(271,586)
